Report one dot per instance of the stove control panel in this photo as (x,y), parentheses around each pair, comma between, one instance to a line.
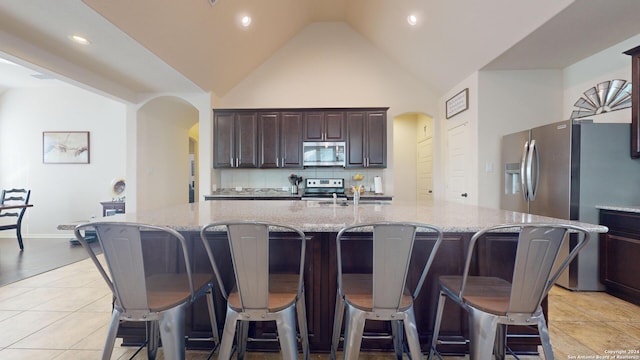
(324,183)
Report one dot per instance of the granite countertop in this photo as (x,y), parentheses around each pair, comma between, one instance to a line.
(268,193)
(251,193)
(631,209)
(323,216)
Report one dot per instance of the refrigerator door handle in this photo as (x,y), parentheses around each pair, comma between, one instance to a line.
(533,173)
(523,173)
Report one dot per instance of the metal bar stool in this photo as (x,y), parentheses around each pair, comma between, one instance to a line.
(383,293)
(258,294)
(493,303)
(158,294)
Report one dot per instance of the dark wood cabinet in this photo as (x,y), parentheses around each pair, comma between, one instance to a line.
(635,101)
(272,138)
(279,139)
(619,254)
(323,125)
(367,138)
(235,134)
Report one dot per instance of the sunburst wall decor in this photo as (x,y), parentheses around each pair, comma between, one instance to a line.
(605,97)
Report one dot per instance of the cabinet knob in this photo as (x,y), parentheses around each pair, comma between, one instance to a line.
(464,195)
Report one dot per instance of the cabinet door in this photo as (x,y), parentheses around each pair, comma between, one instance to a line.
(334,126)
(355,138)
(635,101)
(291,140)
(223,129)
(376,139)
(246,139)
(313,126)
(269,136)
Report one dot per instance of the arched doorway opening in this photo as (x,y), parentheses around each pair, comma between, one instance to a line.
(413,157)
(167,156)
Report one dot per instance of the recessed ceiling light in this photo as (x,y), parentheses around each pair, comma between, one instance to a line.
(412,20)
(79,39)
(245,21)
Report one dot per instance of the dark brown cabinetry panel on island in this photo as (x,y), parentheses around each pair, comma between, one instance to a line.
(619,254)
(279,143)
(367,138)
(235,134)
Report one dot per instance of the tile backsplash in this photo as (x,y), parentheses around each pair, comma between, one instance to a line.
(278,178)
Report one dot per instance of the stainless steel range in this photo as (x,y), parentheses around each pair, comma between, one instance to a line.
(318,189)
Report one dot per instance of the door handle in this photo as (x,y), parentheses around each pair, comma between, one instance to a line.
(523,172)
(464,195)
(531,187)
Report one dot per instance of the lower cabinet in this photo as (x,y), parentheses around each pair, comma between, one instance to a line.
(619,254)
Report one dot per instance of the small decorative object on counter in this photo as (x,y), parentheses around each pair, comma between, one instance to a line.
(294,180)
(358,187)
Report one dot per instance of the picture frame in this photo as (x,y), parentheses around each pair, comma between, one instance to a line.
(65,147)
(457,103)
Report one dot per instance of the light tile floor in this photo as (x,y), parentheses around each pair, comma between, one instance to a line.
(64,313)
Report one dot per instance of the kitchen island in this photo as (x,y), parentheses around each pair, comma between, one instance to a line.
(321,221)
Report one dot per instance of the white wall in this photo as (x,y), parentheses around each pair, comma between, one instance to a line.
(511,101)
(608,64)
(60,192)
(163,152)
(442,125)
(330,65)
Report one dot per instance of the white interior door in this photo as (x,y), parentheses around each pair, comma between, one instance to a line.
(457,153)
(424,166)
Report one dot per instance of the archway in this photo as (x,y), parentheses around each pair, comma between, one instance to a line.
(413,157)
(167,137)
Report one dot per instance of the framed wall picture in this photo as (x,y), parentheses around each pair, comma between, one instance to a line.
(458,103)
(65,147)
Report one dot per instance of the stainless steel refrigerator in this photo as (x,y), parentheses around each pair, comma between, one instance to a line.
(564,170)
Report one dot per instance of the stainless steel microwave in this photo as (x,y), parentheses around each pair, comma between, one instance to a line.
(323,153)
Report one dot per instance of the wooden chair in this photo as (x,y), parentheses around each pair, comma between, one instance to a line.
(16,200)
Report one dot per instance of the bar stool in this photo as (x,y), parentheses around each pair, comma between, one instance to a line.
(383,292)
(493,303)
(259,294)
(144,290)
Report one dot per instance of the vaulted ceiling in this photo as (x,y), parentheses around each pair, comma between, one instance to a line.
(153,46)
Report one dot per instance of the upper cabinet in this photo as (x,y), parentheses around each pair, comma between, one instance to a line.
(235,134)
(279,137)
(367,138)
(272,138)
(635,101)
(324,125)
